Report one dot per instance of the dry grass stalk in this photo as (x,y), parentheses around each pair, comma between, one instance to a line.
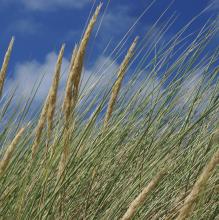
(139,200)
(65,153)
(49,103)
(10,149)
(39,127)
(78,64)
(186,209)
(117,85)
(74,53)
(215,137)
(5,65)
(74,77)
(53,93)
(69,85)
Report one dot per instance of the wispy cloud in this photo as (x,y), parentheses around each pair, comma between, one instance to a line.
(118,21)
(45,5)
(25,26)
(115,22)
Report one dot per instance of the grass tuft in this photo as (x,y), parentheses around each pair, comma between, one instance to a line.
(86,158)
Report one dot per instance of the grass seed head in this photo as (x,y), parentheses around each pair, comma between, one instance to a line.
(53,92)
(76,66)
(5,65)
(39,128)
(140,199)
(79,58)
(69,85)
(190,200)
(9,151)
(116,88)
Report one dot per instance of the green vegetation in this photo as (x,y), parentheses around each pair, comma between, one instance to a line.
(151,153)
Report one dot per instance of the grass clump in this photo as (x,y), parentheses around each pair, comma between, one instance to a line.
(158,157)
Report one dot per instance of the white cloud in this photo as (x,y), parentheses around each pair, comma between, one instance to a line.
(44,5)
(188,90)
(118,21)
(25,26)
(102,73)
(28,73)
(114,23)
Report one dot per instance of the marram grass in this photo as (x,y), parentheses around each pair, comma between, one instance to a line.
(5,65)
(158,157)
(9,151)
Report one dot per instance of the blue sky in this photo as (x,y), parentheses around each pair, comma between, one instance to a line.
(40,27)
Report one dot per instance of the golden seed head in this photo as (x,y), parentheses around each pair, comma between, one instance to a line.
(73,86)
(5,65)
(190,200)
(53,92)
(9,151)
(78,64)
(39,127)
(116,87)
(215,137)
(76,69)
(69,85)
(139,200)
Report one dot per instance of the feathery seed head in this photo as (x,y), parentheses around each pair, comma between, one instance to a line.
(116,87)
(5,65)
(53,92)
(78,64)
(215,137)
(9,151)
(139,200)
(76,68)
(73,83)
(69,85)
(190,200)
(39,127)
